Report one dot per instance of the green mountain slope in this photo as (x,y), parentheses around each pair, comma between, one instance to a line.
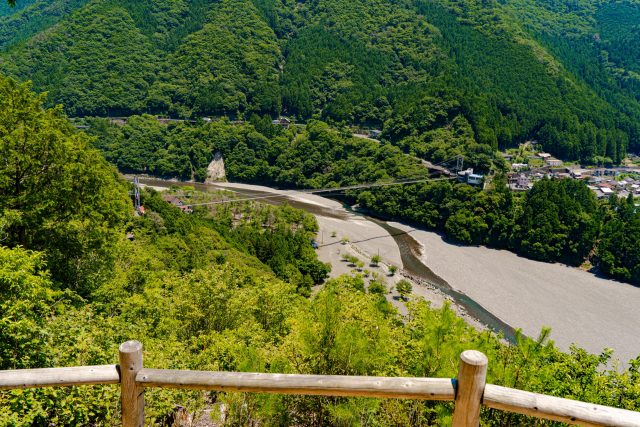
(562,72)
(29,17)
(98,62)
(227,66)
(595,41)
(6,9)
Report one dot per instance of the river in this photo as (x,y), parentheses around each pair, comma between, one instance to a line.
(409,248)
(496,287)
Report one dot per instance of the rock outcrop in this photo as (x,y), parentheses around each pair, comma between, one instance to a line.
(215,171)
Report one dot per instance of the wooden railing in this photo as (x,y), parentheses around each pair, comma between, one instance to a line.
(469,390)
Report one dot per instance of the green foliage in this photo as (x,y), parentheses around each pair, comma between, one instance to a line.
(160,49)
(57,194)
(377,287)
(404,288)
(233,76)
(352,259)
(315,157)
(440,78)
(595,42)
(10,6)
(618,253)
(28,17)
(66,57)
(559,221)
(26,298)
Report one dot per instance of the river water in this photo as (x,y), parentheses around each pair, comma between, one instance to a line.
(410,249)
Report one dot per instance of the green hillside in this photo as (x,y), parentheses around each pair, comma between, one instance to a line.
(562,72)
(7,9)
(29,17)
(228,66)
(595,41)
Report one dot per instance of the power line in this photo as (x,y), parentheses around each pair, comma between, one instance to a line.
(326,190)
(334,189)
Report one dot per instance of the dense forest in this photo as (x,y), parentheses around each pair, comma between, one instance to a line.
(425,72)
(204,293)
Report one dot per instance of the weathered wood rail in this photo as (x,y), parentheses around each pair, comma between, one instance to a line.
(469,390)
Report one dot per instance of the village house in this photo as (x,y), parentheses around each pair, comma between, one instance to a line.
(175,201)
(475,179)
(519,182)
(553,162)
(623,194)
(523,181)
(470,178)
(375,133)
(282,121)
(604,192)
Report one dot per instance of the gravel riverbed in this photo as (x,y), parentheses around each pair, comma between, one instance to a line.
(580,307)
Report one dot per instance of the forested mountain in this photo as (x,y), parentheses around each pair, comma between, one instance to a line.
(563,72)
(29,17)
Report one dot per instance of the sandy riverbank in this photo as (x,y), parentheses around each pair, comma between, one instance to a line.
(365,240)
(332,217)
(580,308)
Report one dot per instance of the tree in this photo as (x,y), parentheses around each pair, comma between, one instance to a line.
(25,294)
(377,287)
(352,259)
(404,288)
(57,194)
(559,221)
(618,253)
(375,260)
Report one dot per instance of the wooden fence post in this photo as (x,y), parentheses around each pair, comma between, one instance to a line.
(132,396)
(472,377)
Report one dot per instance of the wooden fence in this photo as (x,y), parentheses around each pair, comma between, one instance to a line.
(469,390)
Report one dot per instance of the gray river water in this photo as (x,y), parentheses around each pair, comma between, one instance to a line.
(410,249)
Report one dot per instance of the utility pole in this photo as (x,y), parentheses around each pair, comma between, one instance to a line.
(136,193)
(459,163)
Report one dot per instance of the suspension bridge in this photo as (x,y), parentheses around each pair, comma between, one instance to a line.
(451,175)
(331,190)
